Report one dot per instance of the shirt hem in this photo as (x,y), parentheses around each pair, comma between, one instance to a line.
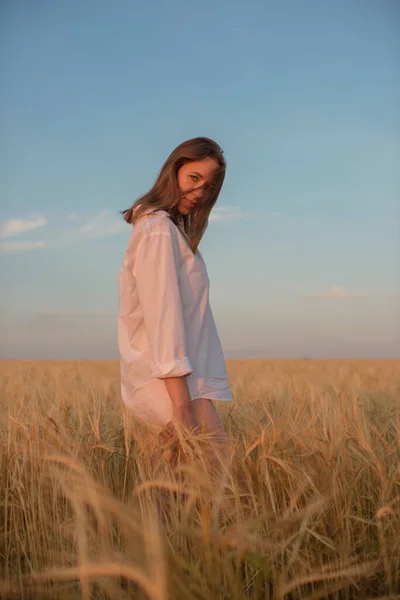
(210,397)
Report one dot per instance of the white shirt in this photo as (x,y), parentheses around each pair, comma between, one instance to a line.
(165,323)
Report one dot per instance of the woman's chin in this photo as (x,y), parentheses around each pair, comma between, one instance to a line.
(184,210)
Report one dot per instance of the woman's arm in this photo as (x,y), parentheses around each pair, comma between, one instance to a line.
(178,390)
(156,272)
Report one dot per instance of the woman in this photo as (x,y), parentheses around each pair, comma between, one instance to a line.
(172,364)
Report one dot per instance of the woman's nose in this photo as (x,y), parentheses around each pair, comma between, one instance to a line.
(199,193)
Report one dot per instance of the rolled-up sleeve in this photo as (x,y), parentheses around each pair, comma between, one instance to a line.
(156,271)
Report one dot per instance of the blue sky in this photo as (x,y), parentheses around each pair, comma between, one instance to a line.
(302,248)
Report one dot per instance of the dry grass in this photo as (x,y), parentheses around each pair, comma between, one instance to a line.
(309,507)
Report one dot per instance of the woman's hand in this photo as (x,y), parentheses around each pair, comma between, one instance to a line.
(182,410)
(169,442)
(184,415)
(170,437)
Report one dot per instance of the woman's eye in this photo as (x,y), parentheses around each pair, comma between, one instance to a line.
(194,177)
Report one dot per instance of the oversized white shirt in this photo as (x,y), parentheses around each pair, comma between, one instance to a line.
(165,323)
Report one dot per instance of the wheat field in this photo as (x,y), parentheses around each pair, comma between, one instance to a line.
(307,507)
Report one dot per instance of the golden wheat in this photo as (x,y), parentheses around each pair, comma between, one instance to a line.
(308,508)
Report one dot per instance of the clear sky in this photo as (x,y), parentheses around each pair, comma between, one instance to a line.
(302,249)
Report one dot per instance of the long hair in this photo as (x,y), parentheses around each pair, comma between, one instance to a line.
(165,193)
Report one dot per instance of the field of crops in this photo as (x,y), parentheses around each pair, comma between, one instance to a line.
(308,507)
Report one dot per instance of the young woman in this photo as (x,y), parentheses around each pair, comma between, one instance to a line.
(172,364)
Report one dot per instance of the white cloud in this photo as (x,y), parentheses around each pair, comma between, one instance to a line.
(227,212)
(340,292)
(333,292)
(103,224)
(7,247)
(16,226)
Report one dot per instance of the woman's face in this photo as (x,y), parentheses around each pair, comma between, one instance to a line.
(196,180)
